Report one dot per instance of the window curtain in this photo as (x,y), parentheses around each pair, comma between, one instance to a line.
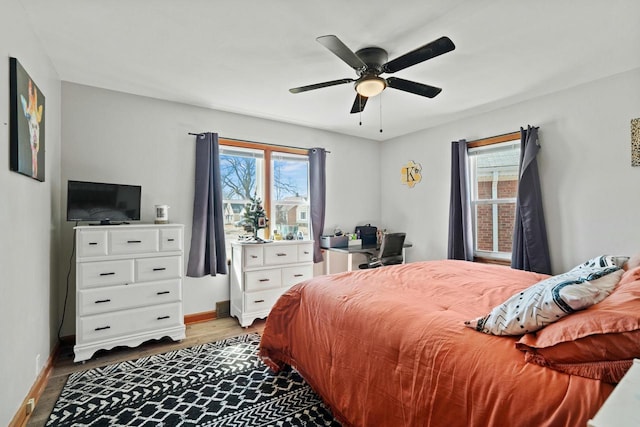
(460,228)
(530,246)
(317,184)
(208,254)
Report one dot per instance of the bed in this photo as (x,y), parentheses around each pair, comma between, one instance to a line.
(388,347)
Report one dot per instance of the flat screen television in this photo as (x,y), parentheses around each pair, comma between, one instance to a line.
(106,203)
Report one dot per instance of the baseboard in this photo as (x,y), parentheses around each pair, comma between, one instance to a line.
(200,317)
(21,417)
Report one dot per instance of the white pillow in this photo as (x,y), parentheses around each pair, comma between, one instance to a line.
(549,300)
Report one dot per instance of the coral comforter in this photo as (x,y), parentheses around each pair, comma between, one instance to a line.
(388,347)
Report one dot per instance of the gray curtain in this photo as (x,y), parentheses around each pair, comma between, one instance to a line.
(317,184)
(530,246)
(208,254)
(460,228)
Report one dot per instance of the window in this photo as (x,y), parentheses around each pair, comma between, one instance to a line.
(290,193)
(278,175)
(493,175)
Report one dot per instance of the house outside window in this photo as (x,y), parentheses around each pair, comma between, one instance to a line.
(493,176)
(277,175)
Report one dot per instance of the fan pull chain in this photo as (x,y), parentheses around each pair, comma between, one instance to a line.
(380,112)
(360,105)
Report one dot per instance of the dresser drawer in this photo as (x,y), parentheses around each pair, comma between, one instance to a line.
(126,322)
(253,256)
(113,298)
(280,254)
(159,268)
(133,241)
(305,252)
(262,279)
(104,273)
(261,301)
(92,243)
(293,275)
(170,239)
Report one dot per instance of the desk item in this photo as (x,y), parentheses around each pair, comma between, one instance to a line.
(341,241)
(391,251)
(355,243)
(367,233)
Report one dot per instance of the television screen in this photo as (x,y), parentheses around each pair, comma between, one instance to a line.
(95,201)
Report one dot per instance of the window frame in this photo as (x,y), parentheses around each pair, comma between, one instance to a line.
(268,150)
(478,255)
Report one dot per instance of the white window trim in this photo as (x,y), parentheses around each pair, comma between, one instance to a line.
(472,186)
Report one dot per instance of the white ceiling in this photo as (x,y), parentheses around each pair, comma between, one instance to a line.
(243,55)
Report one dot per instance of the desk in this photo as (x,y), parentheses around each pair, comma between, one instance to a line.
(337,267)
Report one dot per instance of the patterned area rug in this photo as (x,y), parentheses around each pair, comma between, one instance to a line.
(216,384)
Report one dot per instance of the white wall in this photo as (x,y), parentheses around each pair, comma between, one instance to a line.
(29,224)
(591,193)
(115,137)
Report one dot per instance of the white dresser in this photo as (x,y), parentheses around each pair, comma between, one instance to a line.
(260,273)
(128,286)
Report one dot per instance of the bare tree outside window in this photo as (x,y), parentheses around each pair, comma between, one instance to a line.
(238,176)
(243,175)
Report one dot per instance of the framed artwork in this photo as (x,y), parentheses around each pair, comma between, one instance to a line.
(26,134)
(635,142)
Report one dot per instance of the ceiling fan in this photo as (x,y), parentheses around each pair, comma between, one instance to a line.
(370,62)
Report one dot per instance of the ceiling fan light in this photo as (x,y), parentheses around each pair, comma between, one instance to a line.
(370,86)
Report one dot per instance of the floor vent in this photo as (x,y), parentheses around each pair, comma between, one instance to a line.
(222,309)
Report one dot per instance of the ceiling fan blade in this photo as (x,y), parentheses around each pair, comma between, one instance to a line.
(341,50)
(358,104)
(413,87)
(428,51)
(320,85)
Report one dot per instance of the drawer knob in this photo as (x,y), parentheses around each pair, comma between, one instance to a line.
(102,328)
(93,243)
(159,269)
(163,292)
(254,256)
(134,241)
(264,280)
(163,317)
(100,301)
(258,301)
(298,275)
(281,254)
(107,274)
(306,252)
(170,240)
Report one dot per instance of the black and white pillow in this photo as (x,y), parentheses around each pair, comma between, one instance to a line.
(603,261)
(549,300)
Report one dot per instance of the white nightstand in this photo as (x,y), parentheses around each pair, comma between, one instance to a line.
(622,408)
(260,273)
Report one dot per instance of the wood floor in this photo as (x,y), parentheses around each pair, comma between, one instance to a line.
(197,333)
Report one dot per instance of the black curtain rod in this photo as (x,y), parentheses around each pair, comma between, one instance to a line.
(254,142)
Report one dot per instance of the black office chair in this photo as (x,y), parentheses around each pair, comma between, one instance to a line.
(390,251)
